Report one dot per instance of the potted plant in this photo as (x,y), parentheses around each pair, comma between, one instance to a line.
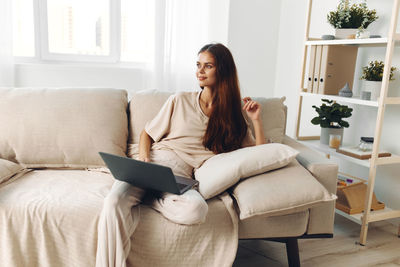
(330,118)
(372,74)
(348,19)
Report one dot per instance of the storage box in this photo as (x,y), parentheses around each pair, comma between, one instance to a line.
(351,196)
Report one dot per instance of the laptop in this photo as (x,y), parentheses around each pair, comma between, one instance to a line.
(147,175)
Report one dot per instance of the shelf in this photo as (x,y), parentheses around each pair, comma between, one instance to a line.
(359,42)
(388,160)
(315,144)
(332,152)
(392,100)
(378,215)
(352,100)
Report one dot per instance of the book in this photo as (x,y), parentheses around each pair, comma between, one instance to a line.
(354,152)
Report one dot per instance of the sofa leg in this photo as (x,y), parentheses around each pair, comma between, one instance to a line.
(292,250)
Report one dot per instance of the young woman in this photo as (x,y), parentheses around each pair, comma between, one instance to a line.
(190,128)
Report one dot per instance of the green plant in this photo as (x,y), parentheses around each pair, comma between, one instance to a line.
(331,115)
(374,71)
(354,16)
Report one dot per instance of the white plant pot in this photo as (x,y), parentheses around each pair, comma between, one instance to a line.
(374,87)
(344,33)
(326,132)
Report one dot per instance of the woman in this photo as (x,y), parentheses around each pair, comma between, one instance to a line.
(190,128)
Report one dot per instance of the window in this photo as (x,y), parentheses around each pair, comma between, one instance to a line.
(78,27)
(23,32)
(84,30)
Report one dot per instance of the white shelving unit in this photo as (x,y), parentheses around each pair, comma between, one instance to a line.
(351,100)
(389,42)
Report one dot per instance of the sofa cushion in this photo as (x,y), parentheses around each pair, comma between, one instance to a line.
(287,190)
(8,169)
(224,170)
(293,224)
(273,114)
(143,107)
(62,127)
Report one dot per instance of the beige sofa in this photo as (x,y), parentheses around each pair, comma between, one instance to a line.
(52,185)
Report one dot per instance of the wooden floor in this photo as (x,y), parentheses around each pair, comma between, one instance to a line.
(382,249)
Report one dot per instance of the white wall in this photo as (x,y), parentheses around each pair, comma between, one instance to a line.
(362,123)
(73,75)
(253,40)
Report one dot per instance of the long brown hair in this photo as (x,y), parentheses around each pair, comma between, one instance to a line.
(226,127)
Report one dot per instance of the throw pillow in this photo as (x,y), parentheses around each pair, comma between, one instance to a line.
(284,191)
(8,169)
(224,170)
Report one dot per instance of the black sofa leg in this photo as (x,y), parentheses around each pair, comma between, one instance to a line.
(292,250)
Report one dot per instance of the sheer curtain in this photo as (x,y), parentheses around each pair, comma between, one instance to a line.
(182,28)
(6,56)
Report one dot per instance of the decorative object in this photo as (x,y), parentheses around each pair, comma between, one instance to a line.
(330,118)
(335,140)
(354,17)
(372,74)
(346,91)
(345,33)
(365,95)
(366,144)
(327,37)
(374,87)
(362,34)
(351,197)
(327,132)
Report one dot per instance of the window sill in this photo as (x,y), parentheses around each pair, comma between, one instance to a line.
(27,61)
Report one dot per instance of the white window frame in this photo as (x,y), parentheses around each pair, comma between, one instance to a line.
(42,41)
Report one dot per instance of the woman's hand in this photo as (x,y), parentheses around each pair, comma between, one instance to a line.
(252,109)
(144,158)
(145,142)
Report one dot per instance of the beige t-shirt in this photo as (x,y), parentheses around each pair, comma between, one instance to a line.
(180,126)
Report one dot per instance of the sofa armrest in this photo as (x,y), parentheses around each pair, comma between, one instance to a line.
(322,168)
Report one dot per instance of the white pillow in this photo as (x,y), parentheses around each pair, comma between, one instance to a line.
(226,169)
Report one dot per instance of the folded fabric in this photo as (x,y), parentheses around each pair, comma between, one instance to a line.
(8,169)
(284,191)
(224,170)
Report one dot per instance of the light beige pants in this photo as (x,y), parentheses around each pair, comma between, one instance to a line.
(121,213)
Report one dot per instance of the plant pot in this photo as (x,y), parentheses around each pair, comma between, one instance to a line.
(325,132)
(374,87)
(344,33)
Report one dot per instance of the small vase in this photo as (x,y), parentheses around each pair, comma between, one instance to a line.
(325,132)
(345,33)
(374,87)
(346,91)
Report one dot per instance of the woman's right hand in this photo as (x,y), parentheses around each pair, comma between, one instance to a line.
(145,142)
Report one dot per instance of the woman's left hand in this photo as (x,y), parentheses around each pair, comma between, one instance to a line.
(252,108)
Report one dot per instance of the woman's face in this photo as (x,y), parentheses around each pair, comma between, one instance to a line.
(206,70)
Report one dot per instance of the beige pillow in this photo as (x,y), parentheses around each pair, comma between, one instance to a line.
(8,169)
(284,191)
(143,107)
(62,127)
(273,114)
(224,170)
